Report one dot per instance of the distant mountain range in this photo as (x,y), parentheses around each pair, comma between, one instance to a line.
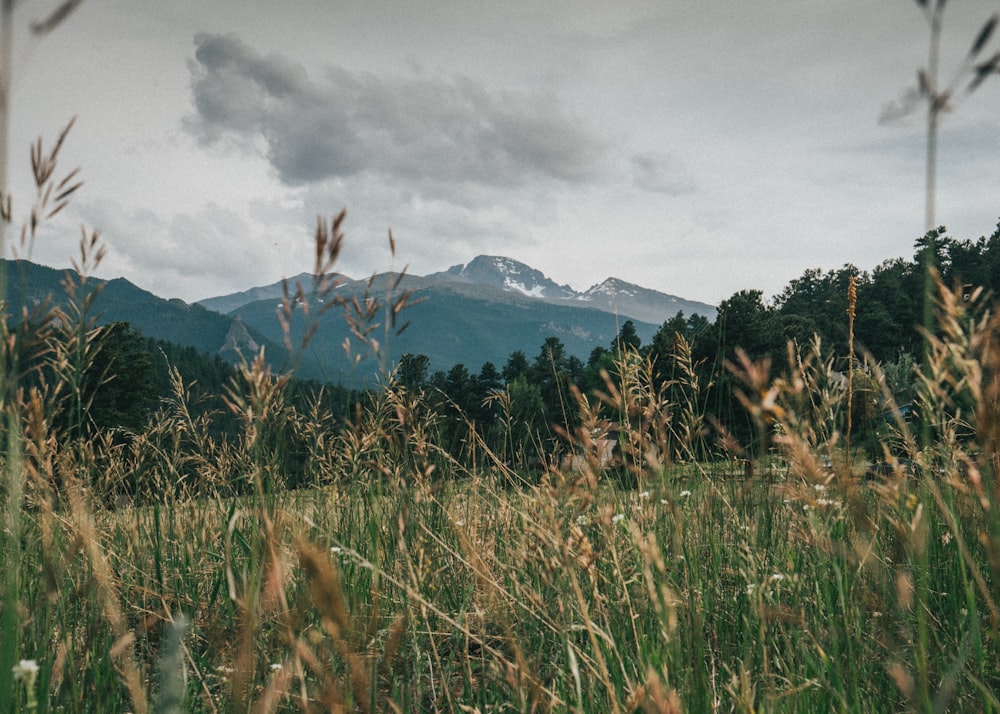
(119,300)
(468,314)
(615,296)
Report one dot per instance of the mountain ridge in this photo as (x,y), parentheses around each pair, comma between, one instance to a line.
(451,322)
(119,300)
(613,295)
(465,315)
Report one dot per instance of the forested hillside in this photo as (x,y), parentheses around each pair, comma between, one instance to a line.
(890,307)
(537,386)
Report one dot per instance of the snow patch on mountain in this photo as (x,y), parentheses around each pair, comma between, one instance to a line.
(612,287)
(612,295)
(536,291)
(507,274)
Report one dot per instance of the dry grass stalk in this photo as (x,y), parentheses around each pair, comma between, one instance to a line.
(108,595)
(852,300)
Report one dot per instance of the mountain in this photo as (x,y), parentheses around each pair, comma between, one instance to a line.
(506,274)
(617,296)
(275,291)
(450,322)
(613,295)
(119,300)
(469,314)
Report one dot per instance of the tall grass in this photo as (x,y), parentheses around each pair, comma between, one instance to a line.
(174,572)
(403,579)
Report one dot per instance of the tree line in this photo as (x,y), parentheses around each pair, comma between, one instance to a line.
(520,407)
(890,306)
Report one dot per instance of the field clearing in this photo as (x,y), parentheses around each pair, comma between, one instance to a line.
(174,572)
(689,595)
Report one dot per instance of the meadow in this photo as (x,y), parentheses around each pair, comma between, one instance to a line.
(168,571)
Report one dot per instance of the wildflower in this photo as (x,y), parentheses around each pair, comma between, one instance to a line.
(581,520)
(777,577)
(665,502)
(644,494)
(819,487)
(685,493)
(617,518)
(459,523)
(946,537)
(750,588)
(336,549)
(25,670)
(276,667)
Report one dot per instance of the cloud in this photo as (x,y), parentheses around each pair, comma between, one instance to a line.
(433,131)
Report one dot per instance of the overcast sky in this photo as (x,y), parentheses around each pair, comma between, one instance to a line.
(697,147)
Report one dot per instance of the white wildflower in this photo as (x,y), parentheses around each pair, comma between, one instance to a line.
(336,549)
(276,667)
(618,518)
(777,577)
(644,494)
(685,494)
(25,670)
(459,523)
(750,588)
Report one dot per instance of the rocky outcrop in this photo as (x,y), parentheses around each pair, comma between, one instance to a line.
(238,340)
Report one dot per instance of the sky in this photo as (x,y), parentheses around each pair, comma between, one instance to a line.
(696,147)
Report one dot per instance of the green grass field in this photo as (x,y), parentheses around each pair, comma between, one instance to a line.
(407,581)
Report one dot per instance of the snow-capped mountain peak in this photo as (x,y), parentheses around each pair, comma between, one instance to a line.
(613,295)
(508,274)
(611,288)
